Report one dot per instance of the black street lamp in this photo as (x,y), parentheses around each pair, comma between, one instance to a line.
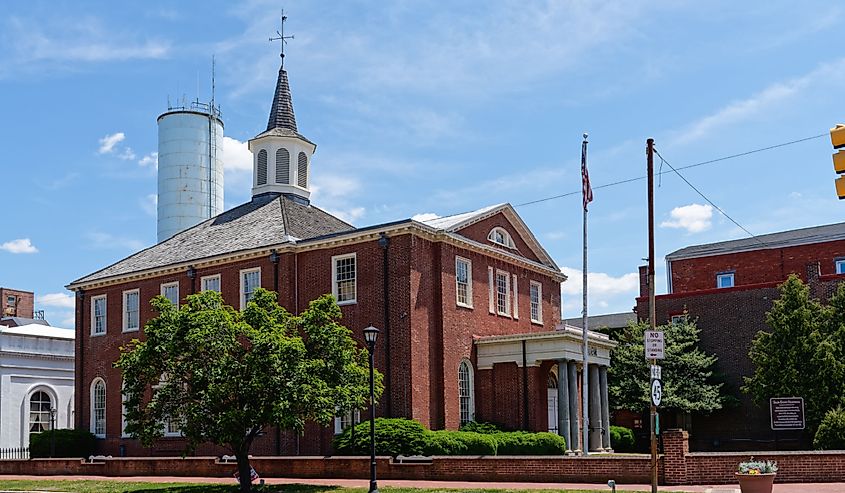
(370,337)
(52,432)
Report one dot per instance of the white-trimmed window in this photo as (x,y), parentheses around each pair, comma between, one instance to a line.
(725,280)
(173,427)
(503,293)
(678,319)
(514,288)
(131,310)
(343,422)
(170,291)
(840,265)
(466,392)
(344,278)
(40,404)
(210,283)
(250,281)
(500,236)
(98,315)
(536,292)
(463,282)
(98,408)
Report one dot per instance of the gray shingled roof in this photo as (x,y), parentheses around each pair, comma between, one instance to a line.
(18,321)
(268,219)
(612,320)
(281,113)
(804,236)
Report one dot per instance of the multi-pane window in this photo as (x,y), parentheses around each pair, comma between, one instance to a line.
(344,287)
(465,392)
(678,319)
(131,305)
(39,412)
(171,292)
(211,283)
(463,282)
(173,427)
(725,280)
(98,409)
(501,237)
(840,265)
(250,281)
(343,422)
(503,293)
(536,292)
(98,315)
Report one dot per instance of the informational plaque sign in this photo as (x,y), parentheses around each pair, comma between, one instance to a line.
(787,413)
(654,344)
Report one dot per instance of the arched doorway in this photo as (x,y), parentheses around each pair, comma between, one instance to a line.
(552,401)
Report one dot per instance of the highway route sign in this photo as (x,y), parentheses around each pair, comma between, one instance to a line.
(656,392)
(656,372)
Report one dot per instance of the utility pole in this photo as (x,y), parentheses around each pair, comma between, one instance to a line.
(652,311)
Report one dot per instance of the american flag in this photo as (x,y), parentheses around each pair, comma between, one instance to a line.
(586,189)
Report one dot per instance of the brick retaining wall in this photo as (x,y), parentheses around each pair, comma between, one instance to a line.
(681,467)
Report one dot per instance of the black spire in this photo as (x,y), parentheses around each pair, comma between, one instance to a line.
(281,113)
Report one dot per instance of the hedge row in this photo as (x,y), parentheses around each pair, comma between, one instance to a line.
(399,436)
(622,439)
(67,443)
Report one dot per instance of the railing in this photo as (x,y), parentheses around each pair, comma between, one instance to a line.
(14,453)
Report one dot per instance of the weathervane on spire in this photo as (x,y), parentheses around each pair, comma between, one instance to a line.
(281,37)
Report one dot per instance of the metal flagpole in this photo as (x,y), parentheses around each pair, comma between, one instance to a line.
(587,196)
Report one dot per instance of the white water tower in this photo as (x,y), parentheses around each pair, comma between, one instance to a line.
(190,167)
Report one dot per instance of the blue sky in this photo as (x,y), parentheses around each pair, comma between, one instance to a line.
(425,107)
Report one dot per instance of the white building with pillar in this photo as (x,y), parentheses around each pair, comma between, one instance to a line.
(550,366)
(36,381)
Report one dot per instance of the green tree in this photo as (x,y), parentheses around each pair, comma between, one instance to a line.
(802,355)
(689,385)
(226,375)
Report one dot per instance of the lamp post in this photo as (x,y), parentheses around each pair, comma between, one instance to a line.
(52,432)
(370,337)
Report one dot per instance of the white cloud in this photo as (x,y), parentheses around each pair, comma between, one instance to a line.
(694,218)
(127,155)
(104,241)
(425,216)
(108,142)
(606,293)
(150,159)
(62,300)
(348,215)
(149,204)
(21,245)
(236,156)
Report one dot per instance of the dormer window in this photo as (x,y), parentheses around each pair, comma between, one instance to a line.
(501,237)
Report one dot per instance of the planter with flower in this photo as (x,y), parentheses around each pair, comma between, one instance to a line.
(756,476)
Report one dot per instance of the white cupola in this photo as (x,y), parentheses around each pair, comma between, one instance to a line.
(281,156)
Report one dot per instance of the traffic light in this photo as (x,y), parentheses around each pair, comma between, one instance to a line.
(837,138)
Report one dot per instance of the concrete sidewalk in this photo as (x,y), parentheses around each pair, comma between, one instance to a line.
(362,483)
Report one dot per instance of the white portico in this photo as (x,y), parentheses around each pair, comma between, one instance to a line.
(555,357)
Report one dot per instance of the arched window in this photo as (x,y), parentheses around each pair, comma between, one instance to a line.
(282,166)
(302,170)
(261,173)
(501,237)
(98,408)
(466,392)
(40,405)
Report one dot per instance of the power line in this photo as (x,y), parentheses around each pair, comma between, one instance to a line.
(711,161)
(708,200)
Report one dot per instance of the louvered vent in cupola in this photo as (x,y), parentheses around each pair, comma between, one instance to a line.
(283,166)
(261,178)
(302,170)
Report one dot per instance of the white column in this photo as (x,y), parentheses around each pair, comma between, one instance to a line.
(594,410)
(605,410)
(563,402)
(573,406)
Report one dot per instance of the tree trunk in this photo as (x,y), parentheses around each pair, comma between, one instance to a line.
(242,455)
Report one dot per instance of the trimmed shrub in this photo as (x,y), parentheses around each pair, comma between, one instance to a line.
(485,428)
(68,443)
(831,432)
(621,439)
(525,443)
(394,436)
(445,442)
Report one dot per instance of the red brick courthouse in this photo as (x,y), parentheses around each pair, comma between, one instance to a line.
(468,305)
(728,287)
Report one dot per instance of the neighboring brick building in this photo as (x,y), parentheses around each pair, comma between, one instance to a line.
(16,303)
(728,288)
(460,300)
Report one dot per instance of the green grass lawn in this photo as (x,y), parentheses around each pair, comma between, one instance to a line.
(117,486)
